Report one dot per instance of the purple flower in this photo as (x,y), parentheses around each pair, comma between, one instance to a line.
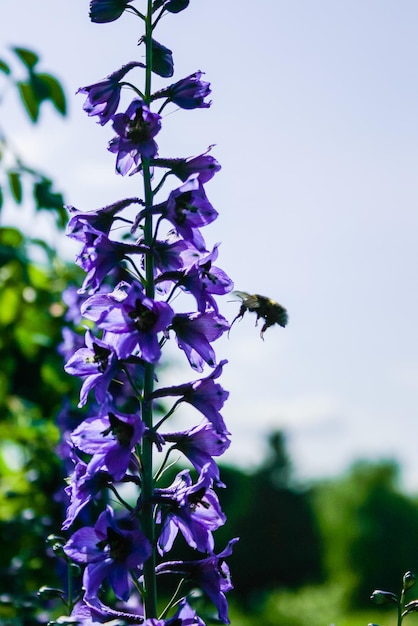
(173,254)
(103,97)
(188,209)
(99,220)
(205,165)
(82,489)
(100,256)
(92,611)
(111,549)
(210,574)
(199,445)
(135,129)
(109,438)
(205,395)
(71,341)
(102,11)
(202,279)
(195,332)
(98,363)
(187,93)
(186,616)
(192,509)
(134,318)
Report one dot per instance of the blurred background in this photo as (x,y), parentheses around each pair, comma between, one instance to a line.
(314,121)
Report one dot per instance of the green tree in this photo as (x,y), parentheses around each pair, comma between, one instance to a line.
(279,541)
(368,528)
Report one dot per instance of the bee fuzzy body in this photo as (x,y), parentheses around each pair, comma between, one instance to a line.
(270,311)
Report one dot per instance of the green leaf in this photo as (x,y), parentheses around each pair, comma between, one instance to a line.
(30,100)
(9,305)
(55,91)
(27,57)
(15,185)
(46,198)
(10,236)
(4,67)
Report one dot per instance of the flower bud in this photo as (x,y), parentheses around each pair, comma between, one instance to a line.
(383,597)
(48,593)
(102,11)
(175,6)
(409,580)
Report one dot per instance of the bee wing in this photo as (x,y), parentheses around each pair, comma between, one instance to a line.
(250,301)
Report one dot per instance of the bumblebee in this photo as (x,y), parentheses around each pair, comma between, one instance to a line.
(270,311)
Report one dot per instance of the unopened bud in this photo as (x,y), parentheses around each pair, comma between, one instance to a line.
(383,597)
(75,569)
(409,580)
(47,593)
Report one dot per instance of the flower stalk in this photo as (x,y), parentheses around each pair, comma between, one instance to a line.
(131,318)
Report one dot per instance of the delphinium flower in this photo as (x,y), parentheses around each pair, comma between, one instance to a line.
(191,508)
(111,549)
(210,574)
(137,262)
(135,129)
(103,97)
(187,93)
(97,363)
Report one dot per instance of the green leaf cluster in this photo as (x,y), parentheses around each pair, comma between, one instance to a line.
(16,176)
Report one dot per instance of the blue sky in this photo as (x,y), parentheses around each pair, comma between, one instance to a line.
(314,118)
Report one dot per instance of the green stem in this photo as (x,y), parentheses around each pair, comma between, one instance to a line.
(70,588)
(150,600)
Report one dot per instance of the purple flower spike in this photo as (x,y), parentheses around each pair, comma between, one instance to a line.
(210,574)
(102,11)
(136,129)
(103,97)
(111,549)
(195,332)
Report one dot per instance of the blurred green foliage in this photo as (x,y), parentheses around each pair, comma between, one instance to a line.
(32,89)
(369,529)
(32,381)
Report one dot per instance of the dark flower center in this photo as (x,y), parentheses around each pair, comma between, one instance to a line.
(207,274)
(122,431)
(196,498)
(138,129)
(119,546)
(143,318)
(184,205)
(101,356)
